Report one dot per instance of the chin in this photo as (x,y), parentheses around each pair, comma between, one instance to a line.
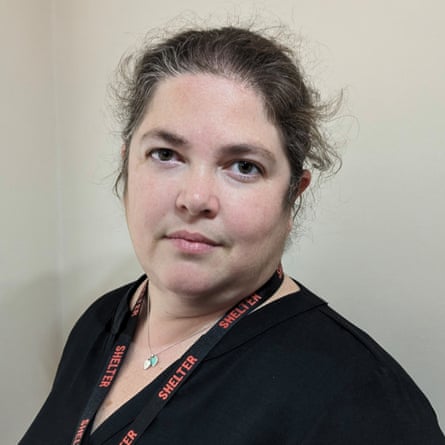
(185,281)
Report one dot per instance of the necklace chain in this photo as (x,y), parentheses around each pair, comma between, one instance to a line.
(153,358)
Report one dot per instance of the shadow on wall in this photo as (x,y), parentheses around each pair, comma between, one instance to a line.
(30,329)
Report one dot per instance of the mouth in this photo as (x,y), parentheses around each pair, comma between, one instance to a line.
(192,242)
(192,237)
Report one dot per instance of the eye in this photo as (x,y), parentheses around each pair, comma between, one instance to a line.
(246,170)
(163,154)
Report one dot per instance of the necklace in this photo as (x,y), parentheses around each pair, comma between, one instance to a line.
(153,358)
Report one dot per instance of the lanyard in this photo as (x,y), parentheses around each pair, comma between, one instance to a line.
(110,370)
(188,363)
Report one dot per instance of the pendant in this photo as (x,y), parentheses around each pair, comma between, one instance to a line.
(151,362)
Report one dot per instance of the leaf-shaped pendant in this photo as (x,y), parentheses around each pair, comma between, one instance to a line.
(154,360)
(151,362)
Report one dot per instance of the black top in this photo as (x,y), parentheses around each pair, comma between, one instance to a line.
(293,372)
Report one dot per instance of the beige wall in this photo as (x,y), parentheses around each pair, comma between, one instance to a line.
(29,301)
(375,249)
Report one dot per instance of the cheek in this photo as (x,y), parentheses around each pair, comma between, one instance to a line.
(147,203)
(142,199)
(142,185)
(258,222)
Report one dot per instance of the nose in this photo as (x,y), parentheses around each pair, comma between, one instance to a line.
(197,195)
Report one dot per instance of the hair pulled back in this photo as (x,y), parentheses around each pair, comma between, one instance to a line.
(270,68)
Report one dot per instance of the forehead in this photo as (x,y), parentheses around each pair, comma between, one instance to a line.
(206,105)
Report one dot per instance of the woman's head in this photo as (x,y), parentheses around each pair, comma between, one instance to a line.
(207,173)
(258,62)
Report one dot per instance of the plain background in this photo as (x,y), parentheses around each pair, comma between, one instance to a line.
(374,245)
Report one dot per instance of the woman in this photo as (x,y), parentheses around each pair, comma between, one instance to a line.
(217,346)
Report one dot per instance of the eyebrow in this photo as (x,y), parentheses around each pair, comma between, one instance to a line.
(241,149)
(246,149)
(167,136)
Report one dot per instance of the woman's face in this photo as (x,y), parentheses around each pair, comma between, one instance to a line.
(207,176)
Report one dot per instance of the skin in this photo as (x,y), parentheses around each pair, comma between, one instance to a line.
(207,176)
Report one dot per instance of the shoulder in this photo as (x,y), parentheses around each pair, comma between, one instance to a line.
(110,304)
(348,352)
(108,310)
(97,326)
(336,336)
(364,384)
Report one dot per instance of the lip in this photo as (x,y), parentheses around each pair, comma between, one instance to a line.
(192,242)
(193,237)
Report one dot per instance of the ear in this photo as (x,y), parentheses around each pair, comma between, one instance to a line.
(305,180)
(123,150)
(303,184)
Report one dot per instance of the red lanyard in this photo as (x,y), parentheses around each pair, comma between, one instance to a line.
(188,363)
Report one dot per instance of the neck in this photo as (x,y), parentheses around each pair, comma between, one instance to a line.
(166,327)
(198,299)
(173,317)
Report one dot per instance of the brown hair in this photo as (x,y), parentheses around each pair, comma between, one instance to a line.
(264,64)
